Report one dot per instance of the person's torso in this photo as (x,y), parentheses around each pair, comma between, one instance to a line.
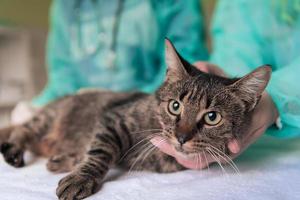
(277,25)
(111,46)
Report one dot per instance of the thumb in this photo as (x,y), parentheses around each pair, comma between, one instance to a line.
(234,146)
(202,66)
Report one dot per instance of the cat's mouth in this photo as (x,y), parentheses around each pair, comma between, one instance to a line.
(187,153)
(182,151)
(185,150)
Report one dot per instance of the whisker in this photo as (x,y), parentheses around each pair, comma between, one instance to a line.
(144,131)
(139,164)
(148,153)
(204,153)
(139,157)
(197,161)
(218,157)
(154,147)
(213,154)
(151,150)
(227,159)
(231,163)
(138,143)
(200,160)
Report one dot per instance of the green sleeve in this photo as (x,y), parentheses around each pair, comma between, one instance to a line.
(61,77)
(285,92)
(236,45)
(181,22)
(239,48)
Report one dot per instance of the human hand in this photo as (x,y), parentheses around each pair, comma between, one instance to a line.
(264,115)
(209,68)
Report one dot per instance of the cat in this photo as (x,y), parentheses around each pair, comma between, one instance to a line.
(90,132)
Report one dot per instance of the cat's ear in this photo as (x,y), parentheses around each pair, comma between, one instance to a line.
(250,87)
(175,68)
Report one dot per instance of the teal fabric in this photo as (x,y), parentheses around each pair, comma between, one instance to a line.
(80,37)
(248,34)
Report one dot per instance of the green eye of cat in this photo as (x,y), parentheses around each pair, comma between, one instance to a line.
(212,118)
(174,107)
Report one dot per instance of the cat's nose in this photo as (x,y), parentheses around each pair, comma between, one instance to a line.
(184,132)
(183,138)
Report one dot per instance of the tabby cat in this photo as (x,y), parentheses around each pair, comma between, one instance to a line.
(90,132)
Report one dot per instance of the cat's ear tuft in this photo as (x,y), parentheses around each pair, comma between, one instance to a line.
(251,86)
(175,67)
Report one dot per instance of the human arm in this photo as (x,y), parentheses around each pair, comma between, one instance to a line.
(241,42)
(238,45)
(285,92)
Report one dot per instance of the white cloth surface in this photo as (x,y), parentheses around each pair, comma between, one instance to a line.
(270,169)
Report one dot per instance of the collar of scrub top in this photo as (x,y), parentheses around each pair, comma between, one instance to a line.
(111,56)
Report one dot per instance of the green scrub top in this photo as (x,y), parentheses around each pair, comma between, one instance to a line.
(248,34)
(80,40)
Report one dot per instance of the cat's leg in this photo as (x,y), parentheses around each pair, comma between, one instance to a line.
(5,134)
(13,149)
(64,162)
(86,179)
(24,137)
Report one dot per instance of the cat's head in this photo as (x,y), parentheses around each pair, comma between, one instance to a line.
(199,110)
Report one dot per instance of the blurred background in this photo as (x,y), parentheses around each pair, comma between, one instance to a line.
(23,34)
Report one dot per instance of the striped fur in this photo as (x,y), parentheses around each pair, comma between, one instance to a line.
(93,131)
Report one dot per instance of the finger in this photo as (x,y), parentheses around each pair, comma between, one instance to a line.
(237,146)
(234,146)
(214,69)
(253,135)
(202,66)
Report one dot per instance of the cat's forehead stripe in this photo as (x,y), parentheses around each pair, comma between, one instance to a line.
(203,100)
(194,93)
(183,95)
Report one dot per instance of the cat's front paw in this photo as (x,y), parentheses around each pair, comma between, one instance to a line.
(76,186)
(12,154)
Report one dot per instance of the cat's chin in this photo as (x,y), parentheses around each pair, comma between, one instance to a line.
(187,154)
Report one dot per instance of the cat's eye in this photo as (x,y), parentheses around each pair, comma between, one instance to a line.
(174,107)
(212,118)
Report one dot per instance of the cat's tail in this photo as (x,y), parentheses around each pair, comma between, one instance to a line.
(5,133)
